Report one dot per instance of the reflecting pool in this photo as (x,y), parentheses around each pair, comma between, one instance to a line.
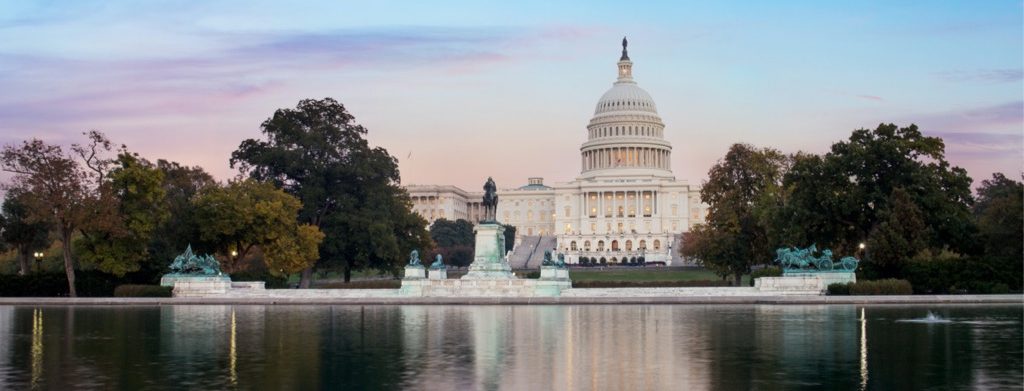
(622,347)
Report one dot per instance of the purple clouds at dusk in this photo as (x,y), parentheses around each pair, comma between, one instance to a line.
(460,91)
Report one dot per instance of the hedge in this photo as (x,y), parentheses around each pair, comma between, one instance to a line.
(87,284)
(649,284)
(129,290)
(888,286)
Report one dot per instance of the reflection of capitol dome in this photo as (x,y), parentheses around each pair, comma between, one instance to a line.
(626,135)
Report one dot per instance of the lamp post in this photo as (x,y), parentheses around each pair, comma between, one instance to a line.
(38,255)
(860,249)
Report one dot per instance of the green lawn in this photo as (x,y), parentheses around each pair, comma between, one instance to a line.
(649,274)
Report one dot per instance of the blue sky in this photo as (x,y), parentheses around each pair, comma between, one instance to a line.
(462,90)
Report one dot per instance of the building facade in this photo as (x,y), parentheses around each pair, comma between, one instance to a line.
(624,205)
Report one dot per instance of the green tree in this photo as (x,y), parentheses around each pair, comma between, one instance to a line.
(18,230)
(245,215)
(510,237)
(1000,218)
(894,241)
(837,199)
(454,240)
(379,232)
(735,237)
(317,153)
(57,191)
(180,185)
(131,207)
(447,233)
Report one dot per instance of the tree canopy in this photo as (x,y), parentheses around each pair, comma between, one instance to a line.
(20,231)
(348,189)
(57,191)
(248,214)
(733,237)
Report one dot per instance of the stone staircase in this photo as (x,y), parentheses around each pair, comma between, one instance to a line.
(524,250)
(543,243)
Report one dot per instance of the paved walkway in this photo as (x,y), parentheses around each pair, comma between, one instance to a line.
(775,300)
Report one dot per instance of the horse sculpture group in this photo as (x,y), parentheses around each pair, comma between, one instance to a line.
(797,259)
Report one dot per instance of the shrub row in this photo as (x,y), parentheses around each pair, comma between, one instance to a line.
(964,275)
(270,281)
(649,284)
(888,286)
(87,284)
(129,290)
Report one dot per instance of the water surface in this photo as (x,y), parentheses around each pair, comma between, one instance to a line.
(623,347)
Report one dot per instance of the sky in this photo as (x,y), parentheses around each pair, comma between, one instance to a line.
(459,91)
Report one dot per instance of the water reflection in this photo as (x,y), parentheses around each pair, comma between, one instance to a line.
(509,347)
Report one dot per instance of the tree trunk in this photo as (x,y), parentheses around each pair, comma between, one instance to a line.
(348,273)
(739,279)
(306,278)
(69,267)
(23,257)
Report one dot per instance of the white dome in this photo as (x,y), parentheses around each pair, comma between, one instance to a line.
(625,96)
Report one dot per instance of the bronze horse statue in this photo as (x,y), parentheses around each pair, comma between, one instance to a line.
(490,201)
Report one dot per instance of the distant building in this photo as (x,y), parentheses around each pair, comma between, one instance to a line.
(625,203)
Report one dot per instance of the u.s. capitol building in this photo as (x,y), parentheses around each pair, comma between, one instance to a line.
(625,203)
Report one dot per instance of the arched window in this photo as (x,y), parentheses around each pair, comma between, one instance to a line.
(615,245)
(600,245)
(657,244)
(586,245)
(629,245)
(643,244)
(572,245)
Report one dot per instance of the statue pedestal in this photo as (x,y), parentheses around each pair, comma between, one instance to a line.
(553,273)
(185,285)
(414,273)
(489,261)
(438,274)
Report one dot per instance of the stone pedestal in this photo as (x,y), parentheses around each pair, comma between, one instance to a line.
(803,282)
(196,286)
(438,274)
(489,261)
(554,273)
(414,273)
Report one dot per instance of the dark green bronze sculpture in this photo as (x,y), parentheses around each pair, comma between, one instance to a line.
(189,264)
(414,258)
(797,260)
(438,263)
(490,202)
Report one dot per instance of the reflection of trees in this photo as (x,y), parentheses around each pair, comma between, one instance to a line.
(509,347)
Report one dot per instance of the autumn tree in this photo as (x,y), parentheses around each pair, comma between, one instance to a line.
(57,191)
(127,211)
(734,238)
(248,214)
(20,231)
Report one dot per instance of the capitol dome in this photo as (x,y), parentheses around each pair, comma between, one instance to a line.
(625,96)
(625,138)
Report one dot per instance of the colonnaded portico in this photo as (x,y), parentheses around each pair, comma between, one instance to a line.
(625,205)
